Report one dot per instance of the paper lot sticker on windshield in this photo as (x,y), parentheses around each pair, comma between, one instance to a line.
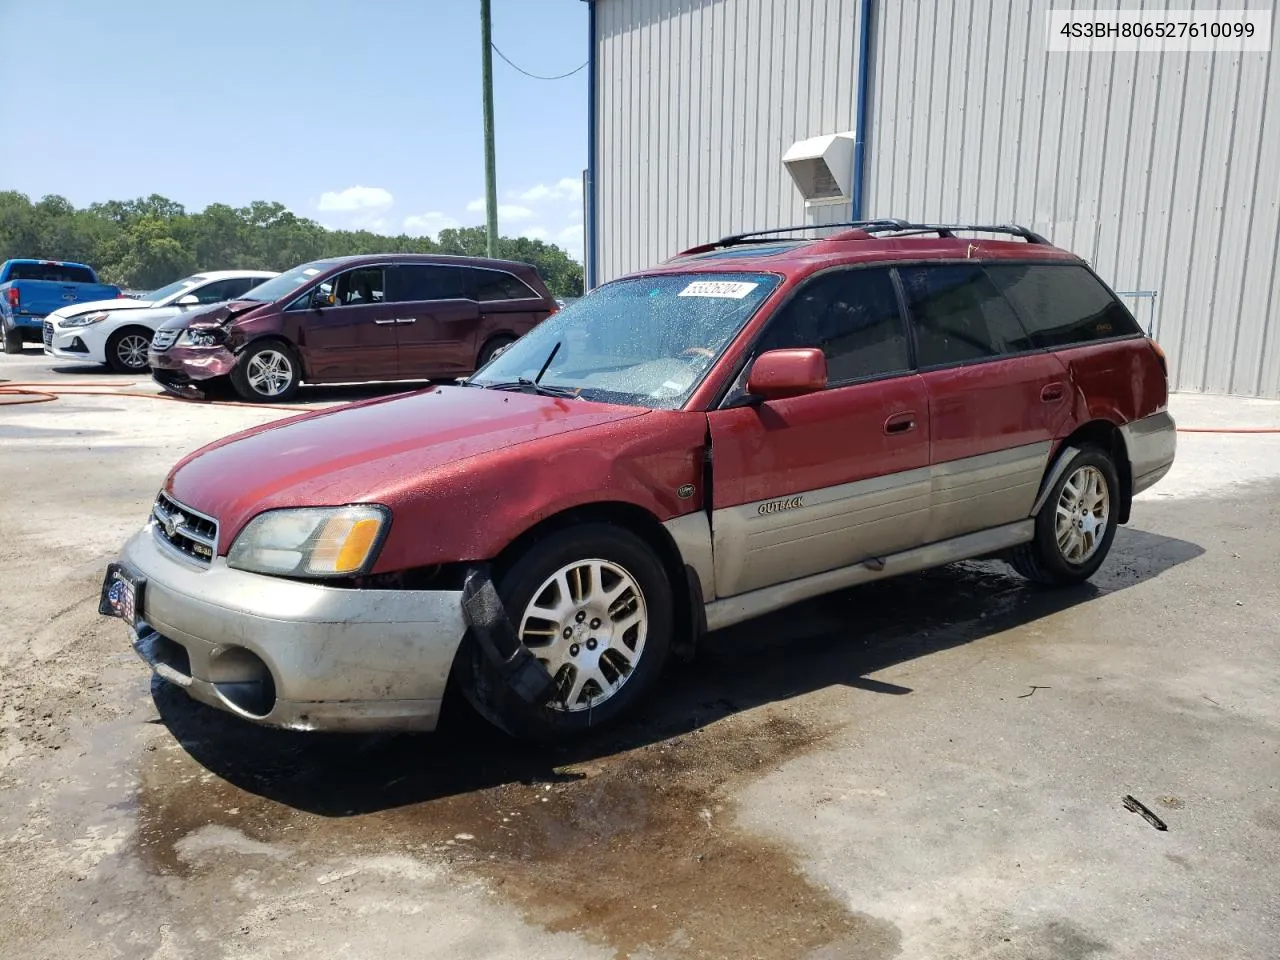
(728,289)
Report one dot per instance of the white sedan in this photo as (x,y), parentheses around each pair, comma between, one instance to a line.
(118,332)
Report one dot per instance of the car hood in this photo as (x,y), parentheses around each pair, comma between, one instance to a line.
(215,315)
(96,306)
(378,451)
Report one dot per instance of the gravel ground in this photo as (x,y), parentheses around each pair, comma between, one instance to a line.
(928,767)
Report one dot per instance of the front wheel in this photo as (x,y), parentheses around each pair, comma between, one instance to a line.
(593,604)
(267,372)
(1076,525)
(127,350)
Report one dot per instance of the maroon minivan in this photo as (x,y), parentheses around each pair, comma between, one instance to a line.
(346,319)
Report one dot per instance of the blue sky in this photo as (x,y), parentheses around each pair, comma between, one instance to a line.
(352,112)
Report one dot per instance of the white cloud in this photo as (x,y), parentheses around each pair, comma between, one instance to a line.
(566,188)
(355,198)
(535,233)
(506,211)
(428,224)
(571,239)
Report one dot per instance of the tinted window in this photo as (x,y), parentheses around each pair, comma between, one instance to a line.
(1063,305)
(853,316)
(959,315)
(495,285)
(49,271)
(359,288)
(425,282)
(221,290)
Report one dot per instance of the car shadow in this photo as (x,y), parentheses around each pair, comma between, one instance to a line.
(838,639)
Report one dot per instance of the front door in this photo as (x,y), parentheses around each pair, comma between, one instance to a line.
(821,481)
(352,336)
(436,320)
(995,400)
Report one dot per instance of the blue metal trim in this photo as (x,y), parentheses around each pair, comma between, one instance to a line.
(863,110)
(589,245)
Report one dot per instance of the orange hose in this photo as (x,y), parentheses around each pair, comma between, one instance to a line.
(23,393)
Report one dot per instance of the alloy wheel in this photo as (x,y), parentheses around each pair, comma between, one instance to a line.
(132,350)
(587,624)
(1083,511)
(270,373)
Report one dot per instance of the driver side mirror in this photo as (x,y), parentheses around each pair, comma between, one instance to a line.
(778,374)
(320,300)
(190,300)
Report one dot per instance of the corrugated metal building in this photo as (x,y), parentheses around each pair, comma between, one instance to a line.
(1161,169)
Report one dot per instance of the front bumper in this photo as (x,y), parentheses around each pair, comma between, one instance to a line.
(180,367)
(1151,443)
(69,344)
(291,654)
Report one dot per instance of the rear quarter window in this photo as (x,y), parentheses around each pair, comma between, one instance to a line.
(1062,305)
(494,285)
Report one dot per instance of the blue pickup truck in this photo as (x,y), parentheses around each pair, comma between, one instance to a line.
(29,289)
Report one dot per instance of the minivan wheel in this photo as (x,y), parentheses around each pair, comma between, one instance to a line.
(593,604)
(491,349)
(127,350)
(1076,525)
(267,372)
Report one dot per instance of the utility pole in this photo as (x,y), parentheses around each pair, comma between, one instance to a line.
(490,163)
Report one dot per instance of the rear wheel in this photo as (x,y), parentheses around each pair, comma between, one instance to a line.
(267,372)
(127,350)
(12,338)
(492,349)
(593,604)
(1076,525)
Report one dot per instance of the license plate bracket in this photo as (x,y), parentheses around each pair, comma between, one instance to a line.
(121,596)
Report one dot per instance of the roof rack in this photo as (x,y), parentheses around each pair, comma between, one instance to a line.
(899,227)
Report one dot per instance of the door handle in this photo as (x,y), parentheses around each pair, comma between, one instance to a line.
(407,320)
(383,323)
(900,423)
(1053,392)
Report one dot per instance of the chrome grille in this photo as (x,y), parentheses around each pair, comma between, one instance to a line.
(190,533)
(48,334)
(163,340)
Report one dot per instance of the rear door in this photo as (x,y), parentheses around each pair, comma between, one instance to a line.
(995,399)
(435,318)
(821,481)
(508,305)
(354,336)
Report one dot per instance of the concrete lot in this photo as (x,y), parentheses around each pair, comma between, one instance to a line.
(929,767)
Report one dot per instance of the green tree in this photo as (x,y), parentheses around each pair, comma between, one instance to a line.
(149,241)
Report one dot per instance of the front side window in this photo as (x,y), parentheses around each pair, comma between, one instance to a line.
(361,287)
(492,285)
(1063,304)
(853,317)
(958,315)
(647,341)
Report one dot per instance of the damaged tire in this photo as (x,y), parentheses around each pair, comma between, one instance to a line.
(593,604)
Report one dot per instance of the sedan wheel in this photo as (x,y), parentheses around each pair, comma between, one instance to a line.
(587,624)
(131,351)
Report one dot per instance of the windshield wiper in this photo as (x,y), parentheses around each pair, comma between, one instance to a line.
(525,385)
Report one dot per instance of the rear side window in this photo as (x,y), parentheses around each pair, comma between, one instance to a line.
(1062,305)
(420,281)
(853,317)
(57,274)
(959,315)
(491,285)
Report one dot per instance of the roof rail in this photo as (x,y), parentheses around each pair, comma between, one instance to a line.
(904,228)
(947,230)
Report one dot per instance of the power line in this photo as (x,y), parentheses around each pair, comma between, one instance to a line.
(534,75)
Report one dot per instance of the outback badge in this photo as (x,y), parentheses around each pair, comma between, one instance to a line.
(777,506)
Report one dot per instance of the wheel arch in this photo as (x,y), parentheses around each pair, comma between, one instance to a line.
(274,336)
(503,334)
(689,614)
(113,337)
(1094,433)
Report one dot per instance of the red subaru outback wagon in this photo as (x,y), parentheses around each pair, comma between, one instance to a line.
(757,421)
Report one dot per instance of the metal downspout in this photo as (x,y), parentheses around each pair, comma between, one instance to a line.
(863,111)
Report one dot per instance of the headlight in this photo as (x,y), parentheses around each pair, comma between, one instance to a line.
(85,320)
(202,337)
(312,542)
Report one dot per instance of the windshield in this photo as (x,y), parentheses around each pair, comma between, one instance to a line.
(645,342)
(285,284)
(172,289)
